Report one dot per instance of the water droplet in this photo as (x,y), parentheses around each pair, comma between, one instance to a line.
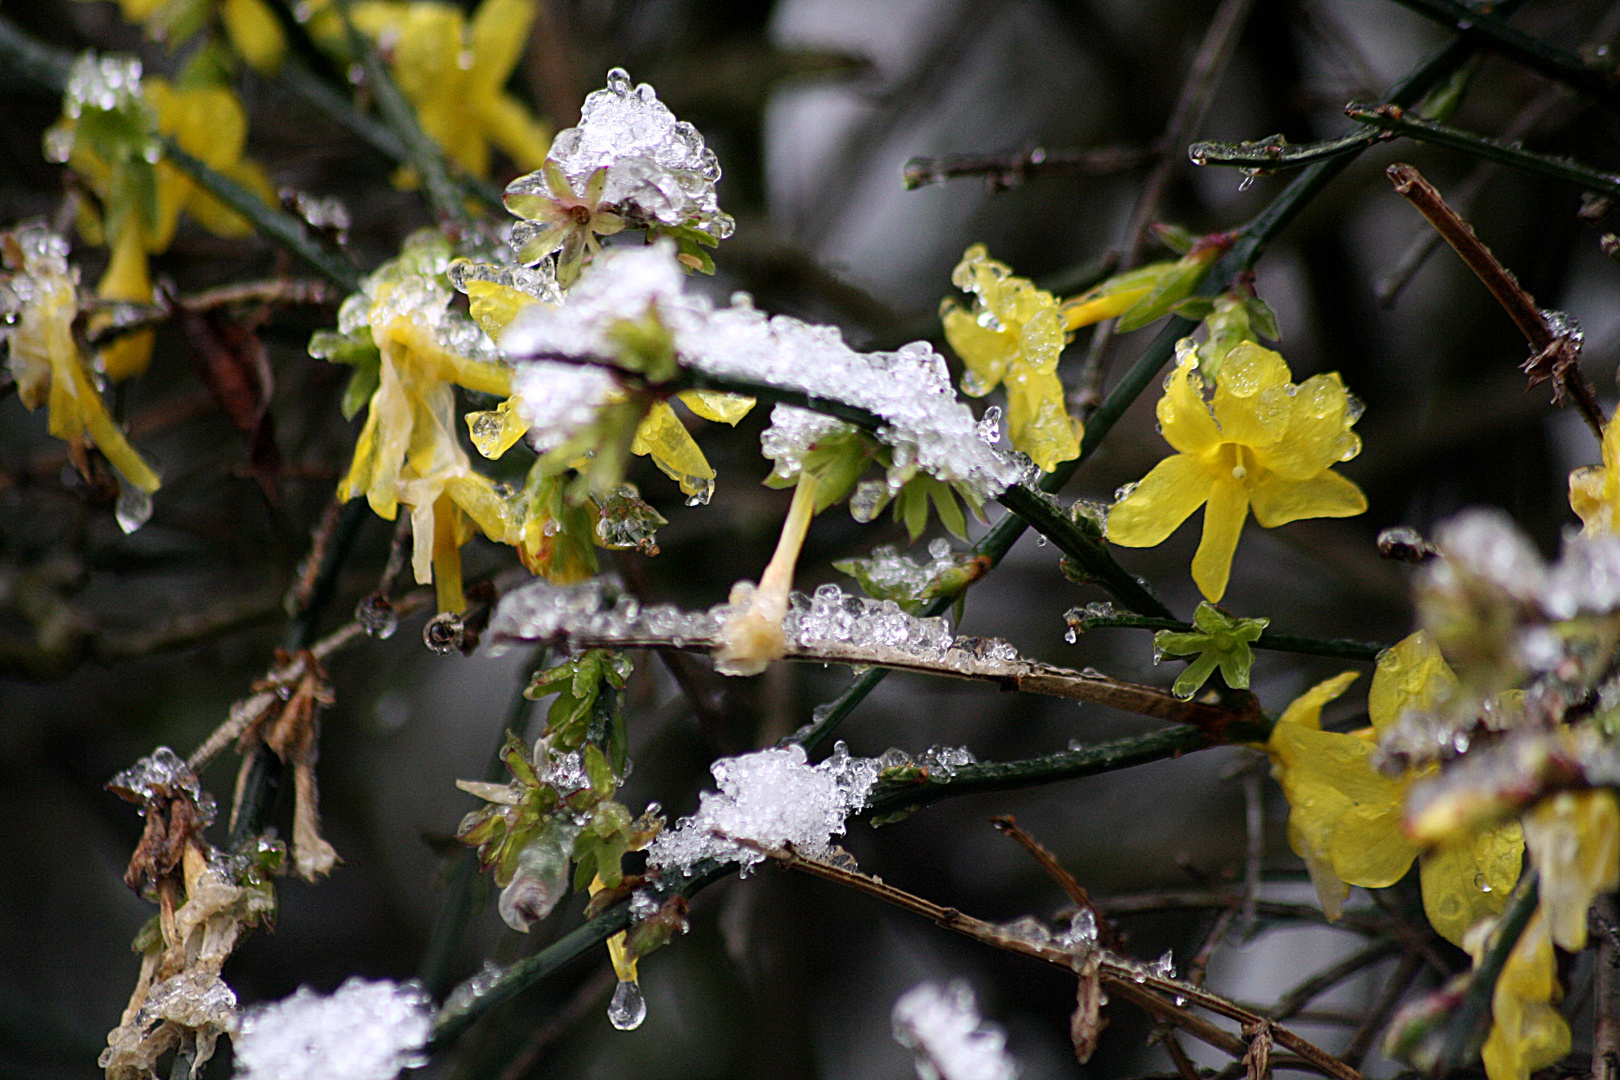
(444,633)
(628,1008)
(1482,883)
(1071,636)
(134,506)
(1040,541)
(375,614)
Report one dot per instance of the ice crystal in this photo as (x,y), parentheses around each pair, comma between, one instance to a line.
(770,798)
(658,169)
(364,1031)
(909,390)
(943,1030)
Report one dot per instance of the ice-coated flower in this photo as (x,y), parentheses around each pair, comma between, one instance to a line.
(1013,335)
(40,302)
(556,217)
(454,72)
(1345,817)
(1262,443)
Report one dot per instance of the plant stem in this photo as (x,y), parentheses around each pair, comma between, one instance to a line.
(1468,1024)
(1490,31)
(1293,1002)
(1041,512)
(1338,648)
(421,151)
(1399,122)
(1107,932)
(901,797)
(1556,356)
(1606,993)
(1013,168)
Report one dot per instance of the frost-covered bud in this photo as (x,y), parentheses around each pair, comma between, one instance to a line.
(540,880)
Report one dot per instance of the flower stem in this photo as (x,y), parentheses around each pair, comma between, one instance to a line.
(1569,170)
(1468,1024)
(1339,648)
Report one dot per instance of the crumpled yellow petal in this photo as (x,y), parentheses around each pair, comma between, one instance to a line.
(1527,1033)
(1158,505)
(1038,420)
(1306,710)
(493,306)
(1594,491)
(495,432)
(984,352)
(1574,841)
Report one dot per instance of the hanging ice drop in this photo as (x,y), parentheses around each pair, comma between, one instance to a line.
(628,1008)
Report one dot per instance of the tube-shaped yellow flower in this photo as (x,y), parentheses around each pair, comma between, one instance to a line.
(1262,444)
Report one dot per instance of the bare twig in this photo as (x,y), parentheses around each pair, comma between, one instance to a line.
(1406,970)
(1294,1002)
(1254,818)
(1107,933)
(1013,168)
(1197,94)
(1198,966)
(1556,350)
(579,1005)
(1606,993)
(1124,978)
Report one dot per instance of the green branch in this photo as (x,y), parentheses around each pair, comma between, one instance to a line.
(891,799)
(421,151)
(275,225)
(1415,127)
(1338,648)
(1491,32)
(1041,512)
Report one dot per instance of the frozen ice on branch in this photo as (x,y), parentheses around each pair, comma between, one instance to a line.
(943,1029)
(364,1031)
(908,392)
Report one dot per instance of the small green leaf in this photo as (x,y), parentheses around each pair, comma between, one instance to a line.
(1196,308)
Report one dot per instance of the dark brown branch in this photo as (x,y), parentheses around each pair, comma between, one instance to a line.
(1013,168)
(1556,351)
(1294,1002)
(1107,933)
(1606,992)
(1383,1008)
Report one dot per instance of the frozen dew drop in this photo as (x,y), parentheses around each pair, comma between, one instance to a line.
(939,548)
(1482,883)
(444,633)
(704,492)
(134,506)
(628,1008)
(375,614)
(1071,636)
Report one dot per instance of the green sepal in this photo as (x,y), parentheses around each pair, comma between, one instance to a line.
(1220,641)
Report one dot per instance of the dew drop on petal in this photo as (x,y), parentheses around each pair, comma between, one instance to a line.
(134,507)
(628,1008)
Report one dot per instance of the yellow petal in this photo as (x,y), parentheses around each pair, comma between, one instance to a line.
(717,407)
(662,436)
(1527,1033)
(1083,312)
(1466,880)
(493,306)
(1223,523)
(1252,404)
(127,278)
(1165,498)
(1410,674)
(499,33)
(1184,416)
(1038,419)
(1318,433)
(984,352)
(255,33)
(512,127)
(498,430)
(1278,501)
(1306,710)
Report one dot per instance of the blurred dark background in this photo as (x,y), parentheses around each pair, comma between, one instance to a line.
(813,107)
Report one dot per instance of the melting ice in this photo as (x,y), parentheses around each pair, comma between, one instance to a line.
(364,1031)
(943,1029)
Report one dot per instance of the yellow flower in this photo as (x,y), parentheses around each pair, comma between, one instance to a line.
(455,73)
(250,25)
(1594,491)
(1262,443)
(42,300)
(1013,335)
(1345,816)
(1527,1032)
(1574,841)
(557,217)
(207,122)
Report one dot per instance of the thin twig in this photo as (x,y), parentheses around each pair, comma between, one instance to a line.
(1490,31)
(1013,168)
(1399,122)
(1254,827)
(1197,94)
(1294,1002)
(1556,354)
(1406,971)
(1124,978)
(1198,966)
(585,999)
(1606,993)
(1083,622)
(1107,932)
